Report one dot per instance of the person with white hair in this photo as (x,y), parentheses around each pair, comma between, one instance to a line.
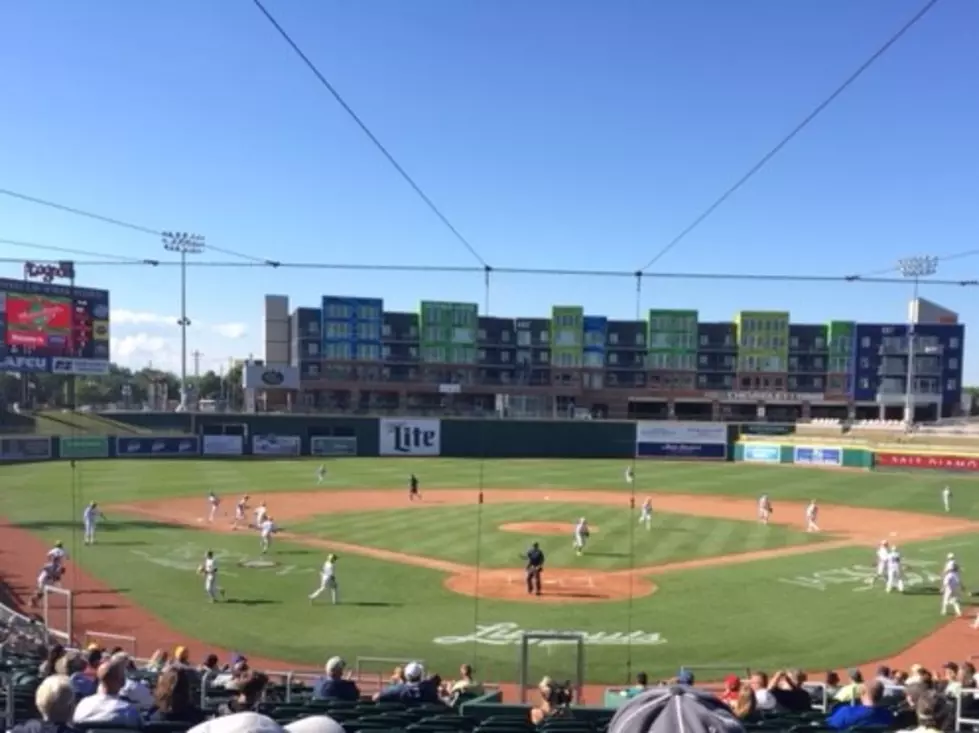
(416,688)
(55,701)
(106,706)
(334,686)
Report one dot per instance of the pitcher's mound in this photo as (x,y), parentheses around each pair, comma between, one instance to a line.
(542,528)
(560,585)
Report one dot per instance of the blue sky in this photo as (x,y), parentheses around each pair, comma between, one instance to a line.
(559,133)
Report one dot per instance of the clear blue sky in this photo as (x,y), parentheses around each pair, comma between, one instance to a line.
(553,133)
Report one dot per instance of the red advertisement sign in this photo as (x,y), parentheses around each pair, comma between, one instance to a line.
(38,313)
(928,461)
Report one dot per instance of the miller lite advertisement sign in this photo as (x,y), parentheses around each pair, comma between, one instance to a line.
(410,437)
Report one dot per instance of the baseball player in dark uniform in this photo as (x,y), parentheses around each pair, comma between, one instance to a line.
(535,566)
(413,492)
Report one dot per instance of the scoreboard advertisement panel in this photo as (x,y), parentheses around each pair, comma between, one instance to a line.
(46,327)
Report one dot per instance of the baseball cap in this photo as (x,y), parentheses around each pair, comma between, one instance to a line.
(685,677)
(732,682)
(413,671)
(333,664)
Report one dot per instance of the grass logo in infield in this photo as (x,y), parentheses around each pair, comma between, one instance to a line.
(187,556)
(861,577)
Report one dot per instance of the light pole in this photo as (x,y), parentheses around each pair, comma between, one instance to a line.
(185,244)
(914,268)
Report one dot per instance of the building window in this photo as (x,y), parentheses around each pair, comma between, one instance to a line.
(523,338)
(312,349)
(640,339)
(544,337)
(544,357)
(482,354)
(505,357)
(701,380)
(385,352)
(817,382)
(865,342)
(951,385)
(613,338)
(704,339)
(864,362)
(613,358)
(953,363)
(481,334)
(953,343)
(505,336)
(386,330)
(794,342)
(864,383)
(703,360)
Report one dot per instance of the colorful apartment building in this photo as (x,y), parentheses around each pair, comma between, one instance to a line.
(354,355)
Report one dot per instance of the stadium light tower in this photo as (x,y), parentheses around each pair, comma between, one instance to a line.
(914,268)
(185,244)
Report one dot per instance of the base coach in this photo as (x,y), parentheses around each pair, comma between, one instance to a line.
(535,566)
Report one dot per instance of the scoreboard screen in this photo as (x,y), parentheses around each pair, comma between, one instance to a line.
(47,320)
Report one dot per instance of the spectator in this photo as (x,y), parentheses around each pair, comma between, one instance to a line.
(732,689)
(414,689)
(916,674)
(884,675)
(55,702)
(832,684)
(467,684)
(334,686)
(642,682)
(255,723)
(174,702)
(181,657)
(746,706)
(950,684)
(73,666)
(904,713)
(554,701)
(210,668)
(900,677)
(850,691)
(105,706)
(868,712)
(764,701)
(157,661)
(251,689)
(47,667)
(231,678)
(929,711)
(134,690)
(786,687)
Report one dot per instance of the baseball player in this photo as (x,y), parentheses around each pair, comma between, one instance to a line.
(883,553)
(646,513)
(535,567)
(213,503)
(630,476)
(57,555)
(267,529)
(581,534)
(951,586)
(260,514)
(240,508)
(328,581)
(50,574)
(413,492)
(947,498)
(209,569)
(90,518)
(764,508)
(321,475)
(812,514)
(895,571)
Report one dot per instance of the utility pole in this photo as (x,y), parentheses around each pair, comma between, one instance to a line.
(197,363)
(185,244)
(914,268)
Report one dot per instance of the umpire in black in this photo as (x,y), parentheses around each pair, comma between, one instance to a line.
(535,566)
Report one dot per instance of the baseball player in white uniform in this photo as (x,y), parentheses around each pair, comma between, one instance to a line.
(267,528)
(581,534)
(213,503)
(764,508)
(328,581)
(951,586)
(321,474)
(646,513)
(209,569)
(90,518)
(947,498)
(883,553)
(895,571)
(50,574)
(260,514)
(630,476)
(57,555)
(240,508)
(812,514)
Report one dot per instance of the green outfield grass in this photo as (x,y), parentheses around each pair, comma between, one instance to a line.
(451,532)
(812,609)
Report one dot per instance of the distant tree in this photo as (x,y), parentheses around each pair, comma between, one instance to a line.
(209,386)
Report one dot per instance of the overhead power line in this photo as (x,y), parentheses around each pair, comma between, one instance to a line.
(895,268)
(371,136)
(819,109)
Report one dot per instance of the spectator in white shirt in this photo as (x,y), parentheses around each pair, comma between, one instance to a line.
(105,706)
(763,698)
(134,690)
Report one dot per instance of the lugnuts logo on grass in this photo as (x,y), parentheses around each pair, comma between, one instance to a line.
(928,461)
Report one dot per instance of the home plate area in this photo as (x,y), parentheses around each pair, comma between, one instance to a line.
(559,585)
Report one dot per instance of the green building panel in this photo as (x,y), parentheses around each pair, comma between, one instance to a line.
(763,341)
(671,342)
(840,337)
(567,335)
(448,332)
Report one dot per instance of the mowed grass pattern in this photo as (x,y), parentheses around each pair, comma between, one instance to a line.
(471,534)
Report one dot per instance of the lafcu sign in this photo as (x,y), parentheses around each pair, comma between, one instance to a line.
(417,437)
(25,364)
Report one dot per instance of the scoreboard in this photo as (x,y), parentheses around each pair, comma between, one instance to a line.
(53,328)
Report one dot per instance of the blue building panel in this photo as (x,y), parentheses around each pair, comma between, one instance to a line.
(597,325)
(352,327)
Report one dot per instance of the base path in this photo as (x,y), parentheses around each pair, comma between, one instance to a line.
(541,529)
(102,608)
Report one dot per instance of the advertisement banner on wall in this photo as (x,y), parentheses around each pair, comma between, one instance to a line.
(185,446)
(805,455)
(411,437)
(223,445)
(25,448)
(928,461)
(270,377)
(691,440)
(276,445)
(84,446)
(767,428)
(330,445)
(759,453)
